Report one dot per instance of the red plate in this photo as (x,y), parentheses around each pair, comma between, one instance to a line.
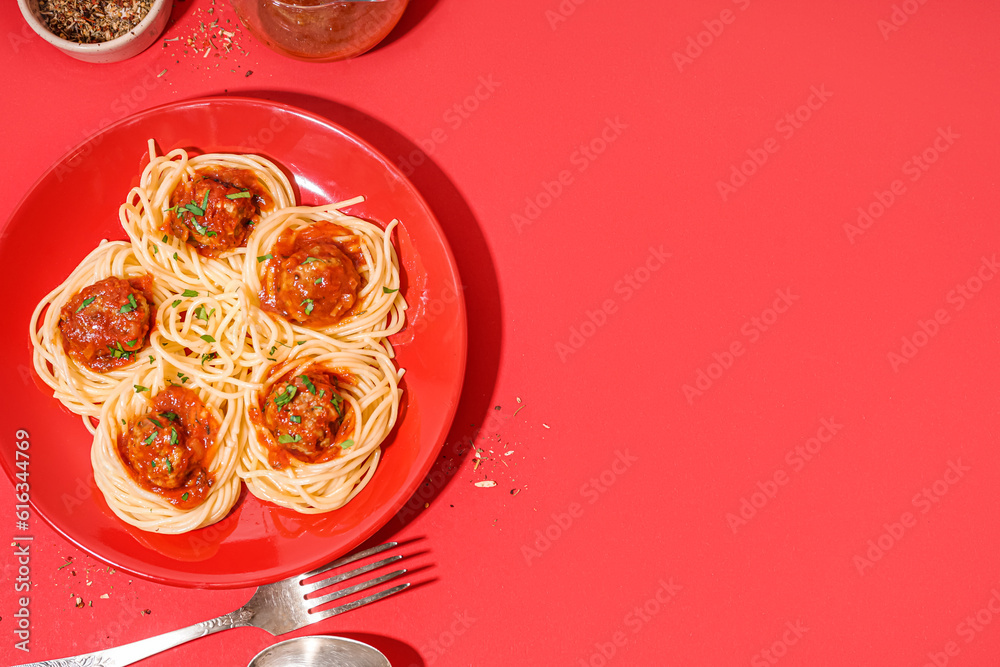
(75,205)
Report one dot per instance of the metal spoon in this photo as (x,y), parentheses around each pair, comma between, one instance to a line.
(320,651)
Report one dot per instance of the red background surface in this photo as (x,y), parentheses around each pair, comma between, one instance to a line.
(643,560)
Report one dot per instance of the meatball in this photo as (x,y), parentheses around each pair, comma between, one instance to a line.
(304,413)
(317,285)
(212,215)
(105,324)
(157,450)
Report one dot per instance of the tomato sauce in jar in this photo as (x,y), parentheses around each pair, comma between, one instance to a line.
(319,30)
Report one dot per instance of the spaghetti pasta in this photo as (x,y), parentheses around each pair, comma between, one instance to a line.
(219,348)
(368,385)
(146,509)
(81,389)
(143,214)
(379,309)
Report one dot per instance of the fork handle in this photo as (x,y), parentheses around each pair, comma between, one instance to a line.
(136,651)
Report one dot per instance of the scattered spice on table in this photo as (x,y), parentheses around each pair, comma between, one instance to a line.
(217,38)
(92,21)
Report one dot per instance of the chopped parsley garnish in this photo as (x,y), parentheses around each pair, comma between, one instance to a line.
(173,436)
(194,209)
(176,257)
(130,306)
(300,342)
(202,314)
(337,402)
(261,258)
(309,306)
(310,260)
(346,443)
(321,393)
(189,293)
(86,302)
(152,464)
(386,290)
(286,396)
(148,441)
(170,466)
(185,496)
(156,250)
(318,281)
(285,438)
(139,388)
(207,338)
(117,351)
(296,419)
(184,378)
(152,359)
(172,416)
(239,195)
(131,343)
(156,421)
(208,356)
(308,383)
(202,229)
(164,238)
(273,348)
(172,209)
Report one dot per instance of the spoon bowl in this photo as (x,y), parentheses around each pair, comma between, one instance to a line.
(320,651)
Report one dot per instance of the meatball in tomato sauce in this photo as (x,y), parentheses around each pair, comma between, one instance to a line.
(168,450)
(216,210)
(306,415)
(311,278)
(105,324)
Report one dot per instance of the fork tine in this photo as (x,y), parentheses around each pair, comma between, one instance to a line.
(336,579)
(349,559)
(327,613)
(323,599)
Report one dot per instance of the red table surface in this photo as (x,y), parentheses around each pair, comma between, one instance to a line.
(730,270)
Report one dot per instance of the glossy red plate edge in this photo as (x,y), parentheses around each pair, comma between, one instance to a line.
(387,512)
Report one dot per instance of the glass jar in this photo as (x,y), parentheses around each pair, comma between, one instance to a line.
(319,30)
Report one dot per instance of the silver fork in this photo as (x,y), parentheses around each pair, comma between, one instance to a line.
(277,608)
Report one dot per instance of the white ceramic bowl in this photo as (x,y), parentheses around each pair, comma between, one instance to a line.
(132,43)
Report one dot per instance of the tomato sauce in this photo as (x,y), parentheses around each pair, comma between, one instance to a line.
(105,324)
(216,210)
(168,451)
(311,279)
(304,416)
